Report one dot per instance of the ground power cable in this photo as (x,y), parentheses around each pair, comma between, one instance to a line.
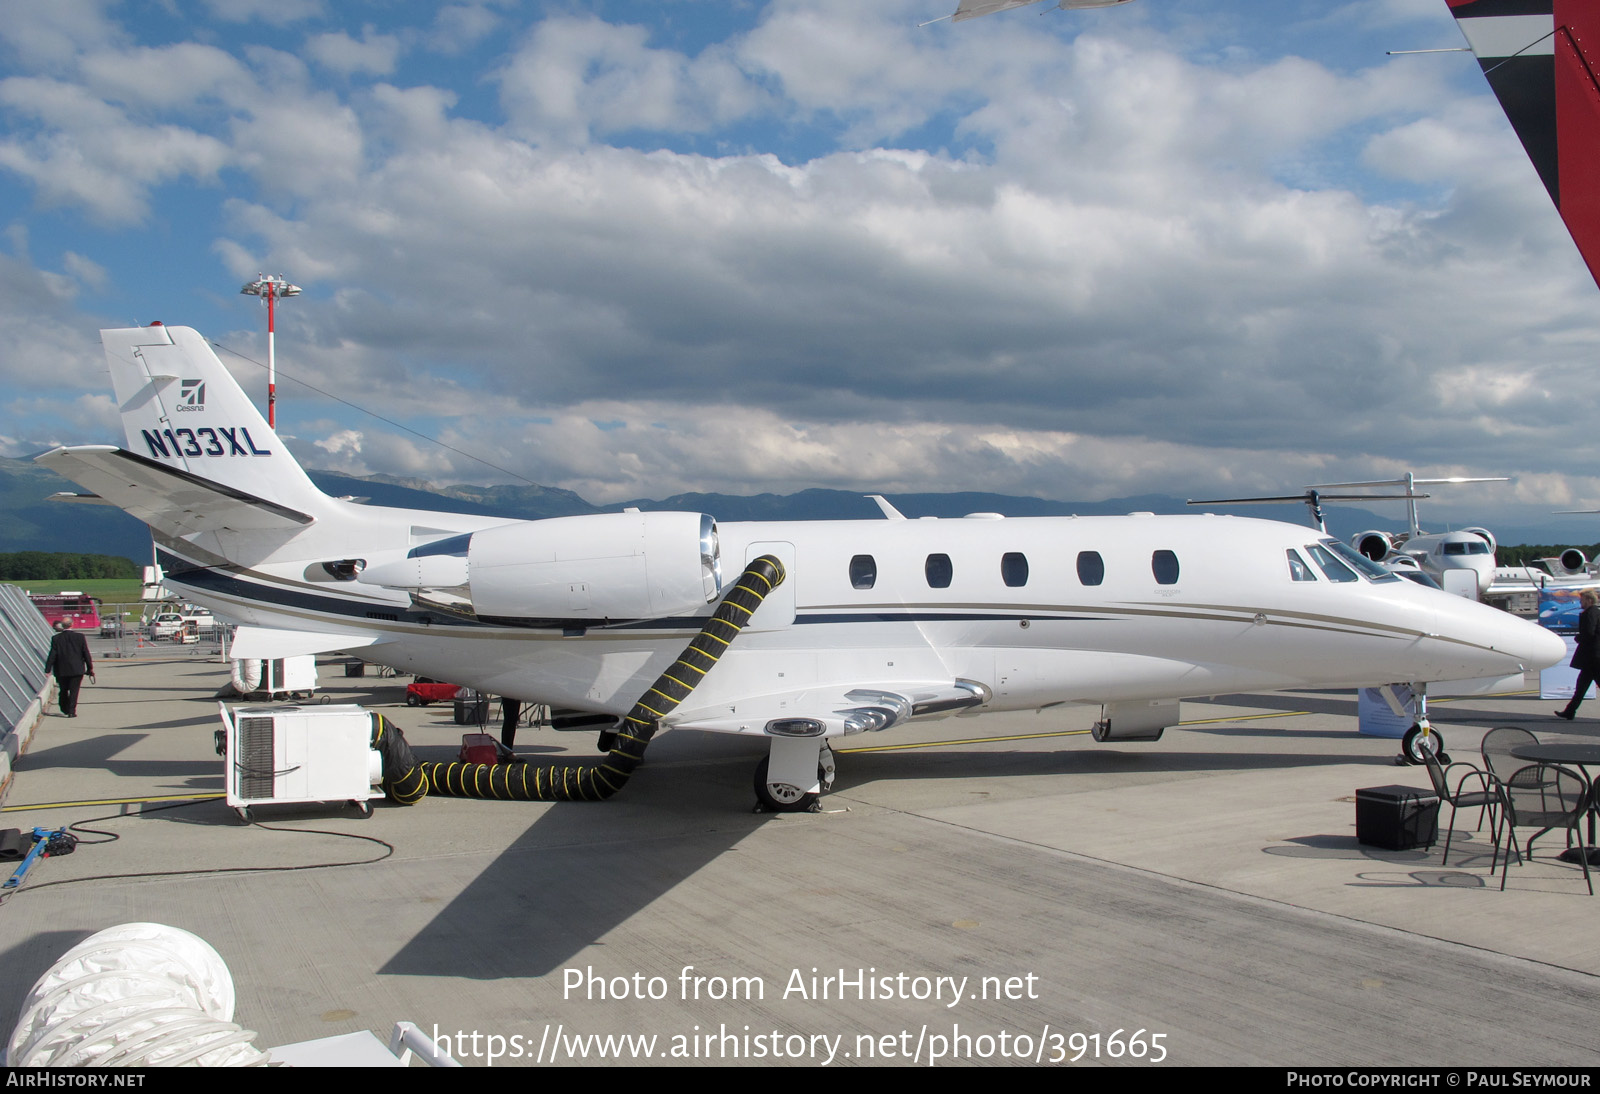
(112,837)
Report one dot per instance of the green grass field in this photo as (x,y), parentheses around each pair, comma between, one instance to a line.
(110,591)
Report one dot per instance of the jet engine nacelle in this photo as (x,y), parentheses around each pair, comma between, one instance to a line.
(1573,561)
(609,566)
(1488,537)
(1375,545)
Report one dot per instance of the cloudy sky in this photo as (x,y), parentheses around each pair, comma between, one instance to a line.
(630,249)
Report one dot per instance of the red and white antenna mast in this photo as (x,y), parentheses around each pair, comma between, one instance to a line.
(271,289)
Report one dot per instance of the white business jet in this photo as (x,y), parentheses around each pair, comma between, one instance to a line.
(843,627)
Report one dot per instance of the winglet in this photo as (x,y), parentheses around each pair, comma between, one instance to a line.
(1541,58)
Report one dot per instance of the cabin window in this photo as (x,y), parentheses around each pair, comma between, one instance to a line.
(939,571)
(1298,570)
(863,572)
(1091,567)
(1330,566)
(1014,569)
(1164,564)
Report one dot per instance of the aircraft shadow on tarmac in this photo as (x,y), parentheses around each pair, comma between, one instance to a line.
(1444,711)
(1313,702)
(582,870)
(924,764)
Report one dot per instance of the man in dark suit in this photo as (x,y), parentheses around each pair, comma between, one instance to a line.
(1586,657)
(69,661)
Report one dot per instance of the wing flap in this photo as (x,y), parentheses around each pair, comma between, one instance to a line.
(174,502)
(833,711)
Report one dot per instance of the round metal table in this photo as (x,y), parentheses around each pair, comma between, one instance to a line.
(1583,757)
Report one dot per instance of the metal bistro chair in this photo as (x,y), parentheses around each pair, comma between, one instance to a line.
(1485,800)
(1496,748)
(1546,797)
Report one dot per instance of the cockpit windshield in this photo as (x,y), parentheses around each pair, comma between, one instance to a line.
(1329,565)
(1348,559)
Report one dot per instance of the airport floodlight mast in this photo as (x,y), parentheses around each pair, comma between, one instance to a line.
(270,289)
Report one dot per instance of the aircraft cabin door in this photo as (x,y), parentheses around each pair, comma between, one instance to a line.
(777,611)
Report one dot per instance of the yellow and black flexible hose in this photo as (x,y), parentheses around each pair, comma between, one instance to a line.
(593,781)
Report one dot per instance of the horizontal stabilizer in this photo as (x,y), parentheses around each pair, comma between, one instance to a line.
(172,501)
(271,642)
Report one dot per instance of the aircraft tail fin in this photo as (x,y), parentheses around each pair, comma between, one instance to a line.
(1542,59)
(182,411)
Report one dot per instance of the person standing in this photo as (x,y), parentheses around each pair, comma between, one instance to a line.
(1586,658)
(510,711)
(69,662)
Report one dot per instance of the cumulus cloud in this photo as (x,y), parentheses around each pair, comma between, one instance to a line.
(77,149)
(370,55)
(823,246)
(457,27)
(279,13)
(573,77)
(175,76)
(53,35)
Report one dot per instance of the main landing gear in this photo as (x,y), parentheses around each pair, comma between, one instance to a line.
(783,780)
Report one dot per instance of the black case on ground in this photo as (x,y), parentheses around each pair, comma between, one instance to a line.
(1397,818)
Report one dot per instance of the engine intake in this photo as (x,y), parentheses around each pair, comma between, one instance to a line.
(1375,545)
(1485,535)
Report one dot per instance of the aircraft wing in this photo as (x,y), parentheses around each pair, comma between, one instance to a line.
(835,710)
(1537,58)
(274,642)
(175,503)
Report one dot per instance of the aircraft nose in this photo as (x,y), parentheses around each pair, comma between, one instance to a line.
(1507,639)
(1545,647)
(1535,647)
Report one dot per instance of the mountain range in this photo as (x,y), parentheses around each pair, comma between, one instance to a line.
(34,523)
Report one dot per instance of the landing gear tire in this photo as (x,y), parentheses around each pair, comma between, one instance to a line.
(782,797)
(1415,747)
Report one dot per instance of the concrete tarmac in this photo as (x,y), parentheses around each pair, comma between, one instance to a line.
(992,889)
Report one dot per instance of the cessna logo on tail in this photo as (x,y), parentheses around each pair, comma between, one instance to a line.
(167,443)
(192,395)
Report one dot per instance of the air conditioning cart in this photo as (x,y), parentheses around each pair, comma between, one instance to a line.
(294,754)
